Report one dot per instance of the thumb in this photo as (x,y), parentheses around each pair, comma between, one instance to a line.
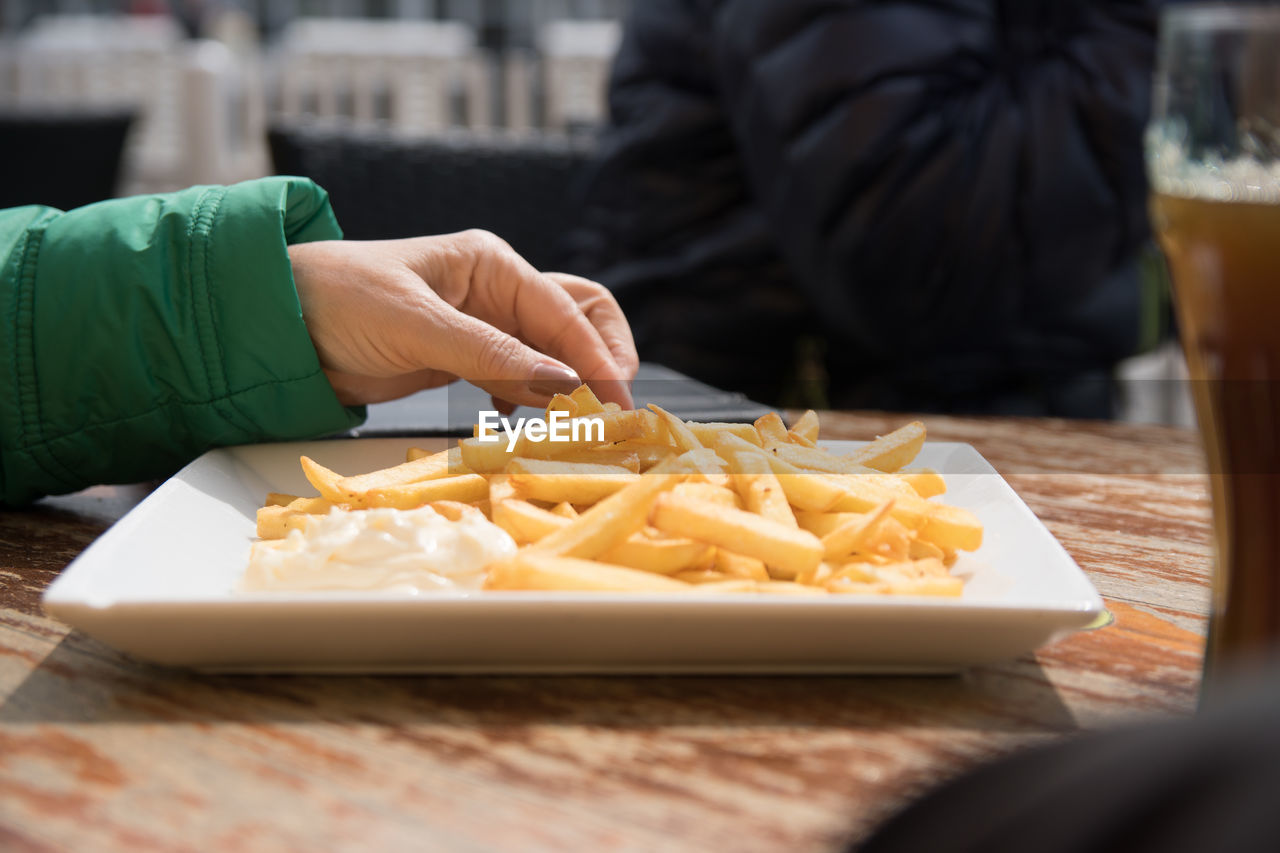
(501,364)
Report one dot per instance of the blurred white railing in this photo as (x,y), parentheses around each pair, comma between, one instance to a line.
(204,106)
(417,76)
(576,58)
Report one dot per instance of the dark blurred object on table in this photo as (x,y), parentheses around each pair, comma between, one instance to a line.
(385,186)
(1207,783)
(63,158)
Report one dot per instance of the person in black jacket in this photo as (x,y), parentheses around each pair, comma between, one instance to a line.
(947,197)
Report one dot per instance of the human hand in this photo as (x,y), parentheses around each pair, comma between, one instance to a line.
(392,317)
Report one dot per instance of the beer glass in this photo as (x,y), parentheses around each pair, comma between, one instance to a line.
(1213,158)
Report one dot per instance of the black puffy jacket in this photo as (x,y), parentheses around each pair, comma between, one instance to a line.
(947,196)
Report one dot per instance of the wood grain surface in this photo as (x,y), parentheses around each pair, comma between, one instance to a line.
(99,752)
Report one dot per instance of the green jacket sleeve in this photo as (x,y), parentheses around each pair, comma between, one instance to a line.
(139,332)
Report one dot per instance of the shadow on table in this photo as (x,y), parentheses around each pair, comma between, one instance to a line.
(83,681)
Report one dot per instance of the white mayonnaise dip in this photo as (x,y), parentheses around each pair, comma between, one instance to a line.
(411,550)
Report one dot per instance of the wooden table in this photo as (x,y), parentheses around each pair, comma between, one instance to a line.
(99,752)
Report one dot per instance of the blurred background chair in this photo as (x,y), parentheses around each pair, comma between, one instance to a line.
(64,157)
(385,185)
(197,103)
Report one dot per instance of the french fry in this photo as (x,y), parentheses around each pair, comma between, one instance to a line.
(809,492)
(565,510)
(942,524)
(325,480)
(614,518)
(952,527)
(528,523)
(681,436)
(798,439)
(813,459)
(703,459)
(853,535)
(738,566)
(484,457)
(699,577)
(760,490)
(273,520)
(911,577)
(910,569)
(586,400)
(820,492)
(858,571)
(533,569)
(841,467)
(573,482)
(563,403)
(806,427)
(742,532)
(708,492)
(639,424)
(607,455)
(895,450)
(648,454)
(771,428)
(707,433)
(465,487)
(500,489)
(926,482)
(446,463)
(664,556)
(636,424)
(920,549)
(727,446)
(453,510)
(821,573)
(822,523)
(525,522)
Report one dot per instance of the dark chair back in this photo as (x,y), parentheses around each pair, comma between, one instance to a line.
(62,158)
(384,186)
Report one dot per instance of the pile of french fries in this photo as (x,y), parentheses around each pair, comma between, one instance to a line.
(663,505)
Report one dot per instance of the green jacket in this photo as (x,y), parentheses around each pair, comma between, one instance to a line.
(139,332)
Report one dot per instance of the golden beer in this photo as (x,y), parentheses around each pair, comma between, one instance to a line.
(1224,258)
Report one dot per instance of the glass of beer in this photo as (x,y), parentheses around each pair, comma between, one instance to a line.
(1213,158)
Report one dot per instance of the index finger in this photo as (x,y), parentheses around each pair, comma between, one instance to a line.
(606,315)
(599,306)
(509,293)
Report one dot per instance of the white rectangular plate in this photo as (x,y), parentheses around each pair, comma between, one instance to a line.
(161,585)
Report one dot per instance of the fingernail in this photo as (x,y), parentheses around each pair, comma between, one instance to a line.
(551,379)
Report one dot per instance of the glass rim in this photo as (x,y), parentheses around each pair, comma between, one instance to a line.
(1220,16)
